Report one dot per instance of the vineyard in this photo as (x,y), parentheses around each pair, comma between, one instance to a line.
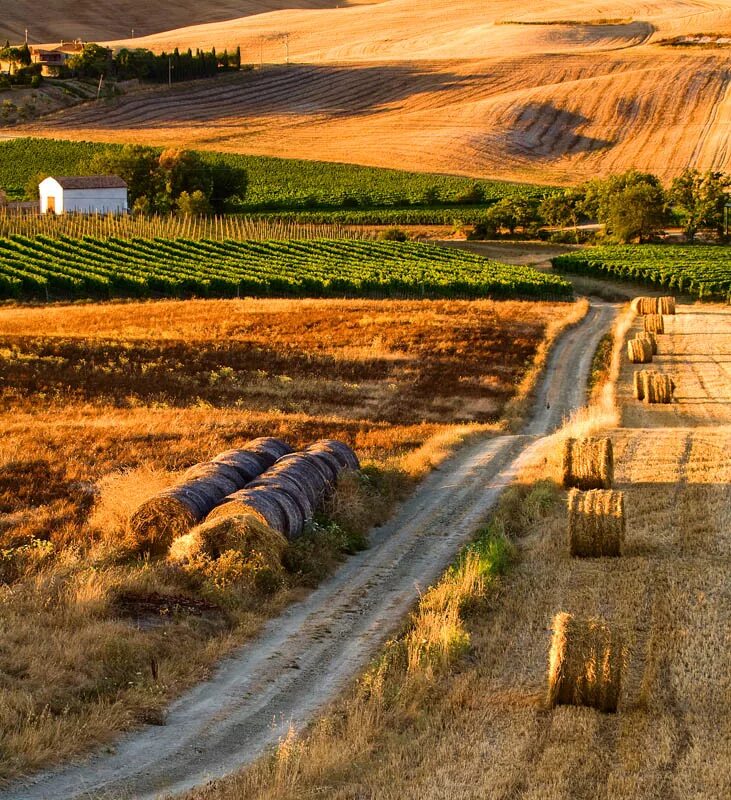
(46,268)
(703,271)
(275,183)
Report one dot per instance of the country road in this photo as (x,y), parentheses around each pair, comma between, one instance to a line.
(303,658)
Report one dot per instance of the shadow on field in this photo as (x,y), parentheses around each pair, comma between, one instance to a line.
(294,90)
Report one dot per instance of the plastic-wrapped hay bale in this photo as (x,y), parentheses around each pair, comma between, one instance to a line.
(654,323)
(650,338)
(596,523)
(657,388)
(666,305)
(287,483)
(639,384)
(258,502)
(247,465)
(644,305)
(639,351)
(225,478)
(327,463)
(268,449)
(588,463)
(344,454)
(172,513)
(586,663)
(304,472)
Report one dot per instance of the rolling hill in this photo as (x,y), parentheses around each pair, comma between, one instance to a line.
(507,91)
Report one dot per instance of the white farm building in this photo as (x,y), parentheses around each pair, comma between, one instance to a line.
(94,194)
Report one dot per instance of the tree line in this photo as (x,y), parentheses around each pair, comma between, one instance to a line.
(633,206)
(94,61)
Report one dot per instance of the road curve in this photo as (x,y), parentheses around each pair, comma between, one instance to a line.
(304,657)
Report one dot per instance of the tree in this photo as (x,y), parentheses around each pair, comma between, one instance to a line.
(511,213)
(137,165)
(184,171)
(25,57)
(564,209)
(227,182)
(31,187)
(161,178)
(194,205)
(92,62)
(631,205)
(698,200)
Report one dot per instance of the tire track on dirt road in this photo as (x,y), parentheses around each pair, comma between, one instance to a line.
(308,654)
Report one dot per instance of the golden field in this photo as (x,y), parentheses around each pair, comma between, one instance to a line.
(479,726)
(102,405)
(506,91)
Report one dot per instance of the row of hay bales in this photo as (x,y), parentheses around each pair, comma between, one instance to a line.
(587,655)
(264,479)
(176,510)
(653,305)
(272,509)
(651,386)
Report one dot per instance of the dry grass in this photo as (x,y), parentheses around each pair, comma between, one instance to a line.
(112,403)
(479,728)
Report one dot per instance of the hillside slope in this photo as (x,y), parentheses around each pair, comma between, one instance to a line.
(64,19)
(450,87)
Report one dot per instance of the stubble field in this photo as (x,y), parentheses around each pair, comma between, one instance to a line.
(480,728)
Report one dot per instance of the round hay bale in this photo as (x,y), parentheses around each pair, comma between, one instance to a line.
(639,351)
(585,663)
(639,386)
(247,465)
(657,388)
(654,323)
(208,469)
(242,532)
(268,449)
(644,305)
(331,464)
(648,337)
(588,463)
(305,473)
(172,513)
(596,523)
(257,502)
(294,518)
(287,483)
(666,305)
(345,455)
(210,479)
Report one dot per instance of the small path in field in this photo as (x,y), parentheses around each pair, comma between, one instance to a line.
(309,654)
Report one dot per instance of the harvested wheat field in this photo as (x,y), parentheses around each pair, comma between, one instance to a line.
(508,91)
(104,406)
(480,725)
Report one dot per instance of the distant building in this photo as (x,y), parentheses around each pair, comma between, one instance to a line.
(52,60)
(95,194)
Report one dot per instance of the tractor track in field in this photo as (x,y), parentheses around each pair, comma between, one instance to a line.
(302,659)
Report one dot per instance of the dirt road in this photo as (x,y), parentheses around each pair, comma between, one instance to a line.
(305,657)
